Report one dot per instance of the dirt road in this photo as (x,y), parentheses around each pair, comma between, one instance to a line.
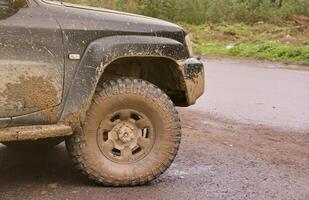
(248,138)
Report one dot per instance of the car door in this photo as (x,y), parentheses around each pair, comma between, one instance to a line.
(31,59)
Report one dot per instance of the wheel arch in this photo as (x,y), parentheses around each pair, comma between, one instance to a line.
(163,72)
(106,53)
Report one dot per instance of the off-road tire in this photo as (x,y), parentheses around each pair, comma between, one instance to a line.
(127,93)
(41,144)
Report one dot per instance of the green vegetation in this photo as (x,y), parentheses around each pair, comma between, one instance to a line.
(244,28)
(286,42)
(202,11)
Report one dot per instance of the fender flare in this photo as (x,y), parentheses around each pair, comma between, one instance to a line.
(102,52)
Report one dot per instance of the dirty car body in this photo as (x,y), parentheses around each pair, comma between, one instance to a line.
(43,83)
(62,64)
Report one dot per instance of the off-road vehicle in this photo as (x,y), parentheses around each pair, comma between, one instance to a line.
(106,82)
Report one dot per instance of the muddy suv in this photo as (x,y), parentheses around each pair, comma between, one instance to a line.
(106,82)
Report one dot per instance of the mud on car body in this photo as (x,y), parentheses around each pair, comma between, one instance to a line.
(107,82)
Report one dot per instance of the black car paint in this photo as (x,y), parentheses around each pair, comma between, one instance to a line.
(100,36)
(31,45)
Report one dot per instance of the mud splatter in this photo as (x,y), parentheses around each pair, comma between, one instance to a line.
(192,72)
(32,92)
(34,132)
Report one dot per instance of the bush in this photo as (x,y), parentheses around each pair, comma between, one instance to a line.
(202,11)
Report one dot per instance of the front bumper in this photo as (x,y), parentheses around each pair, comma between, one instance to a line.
(194,79)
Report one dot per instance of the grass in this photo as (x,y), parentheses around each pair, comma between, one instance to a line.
(276,39)
(285,42)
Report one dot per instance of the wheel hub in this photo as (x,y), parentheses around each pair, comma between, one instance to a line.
(126,136)
(125,133)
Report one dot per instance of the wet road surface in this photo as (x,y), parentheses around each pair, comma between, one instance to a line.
(256,92)
(232,147)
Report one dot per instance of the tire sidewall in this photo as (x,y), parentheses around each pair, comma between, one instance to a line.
(165,133)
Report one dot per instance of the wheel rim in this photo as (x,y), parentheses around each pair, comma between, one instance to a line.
(126,136)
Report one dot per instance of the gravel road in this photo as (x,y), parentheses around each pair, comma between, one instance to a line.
(247,138)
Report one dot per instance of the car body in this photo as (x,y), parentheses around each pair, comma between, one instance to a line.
(54,55)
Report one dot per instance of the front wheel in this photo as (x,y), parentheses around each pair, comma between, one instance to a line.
(130,136)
